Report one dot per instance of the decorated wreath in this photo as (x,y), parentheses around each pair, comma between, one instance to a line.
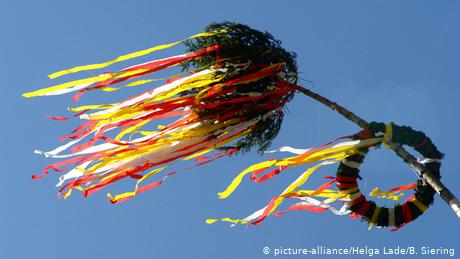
(351,155)
(348,174)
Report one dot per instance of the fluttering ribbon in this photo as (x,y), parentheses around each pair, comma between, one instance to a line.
(394,193)
(329,153)
(129,56)
(210,107)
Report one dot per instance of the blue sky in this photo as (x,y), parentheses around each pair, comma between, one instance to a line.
(386,60)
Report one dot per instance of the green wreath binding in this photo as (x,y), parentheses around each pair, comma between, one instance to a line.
(348,173)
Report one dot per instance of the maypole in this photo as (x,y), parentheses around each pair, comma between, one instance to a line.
(228,98)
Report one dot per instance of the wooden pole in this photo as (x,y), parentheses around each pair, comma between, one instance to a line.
(409,159)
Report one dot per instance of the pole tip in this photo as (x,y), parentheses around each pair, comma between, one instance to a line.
(455,205)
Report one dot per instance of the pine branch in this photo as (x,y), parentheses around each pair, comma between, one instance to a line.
(409,159)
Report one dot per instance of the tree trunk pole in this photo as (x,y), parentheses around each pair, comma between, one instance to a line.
(409,159)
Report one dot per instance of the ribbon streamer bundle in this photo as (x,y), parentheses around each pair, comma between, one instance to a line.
(228,98)
(231,96)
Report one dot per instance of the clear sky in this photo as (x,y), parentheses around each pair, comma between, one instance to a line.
(386,60)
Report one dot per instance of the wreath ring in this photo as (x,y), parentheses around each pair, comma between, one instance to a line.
(398,215)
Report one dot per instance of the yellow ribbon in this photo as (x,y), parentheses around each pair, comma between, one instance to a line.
(330,153)
(130,55)
(419,205)
(388,135)
(376,192)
